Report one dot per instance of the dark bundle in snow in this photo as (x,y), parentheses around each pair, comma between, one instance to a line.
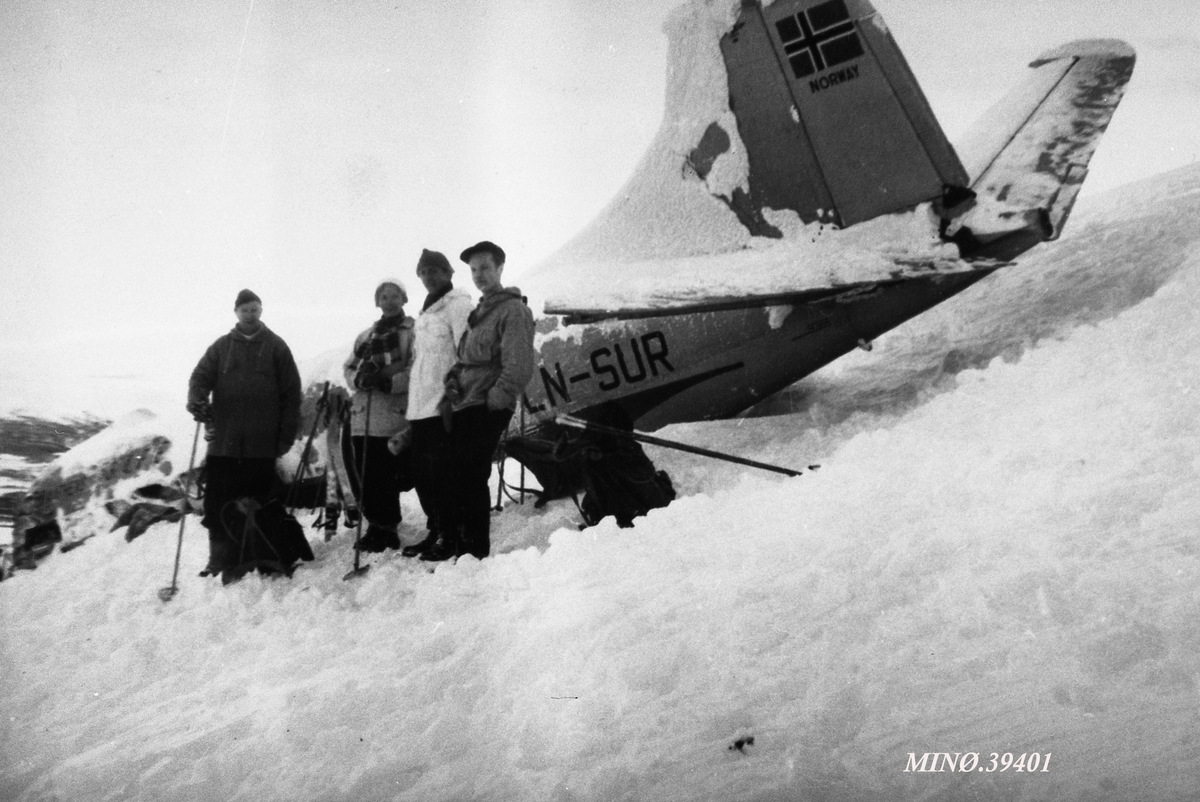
(611,470)
(258,535)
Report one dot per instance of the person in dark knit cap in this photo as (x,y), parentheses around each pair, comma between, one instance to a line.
(246,388)
(440,326)
(245,297)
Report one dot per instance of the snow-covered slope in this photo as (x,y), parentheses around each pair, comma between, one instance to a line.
(997,555)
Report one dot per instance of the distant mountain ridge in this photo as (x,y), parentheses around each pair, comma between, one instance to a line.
(27,443)
(38,439)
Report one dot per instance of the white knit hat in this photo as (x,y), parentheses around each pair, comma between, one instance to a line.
(395,282)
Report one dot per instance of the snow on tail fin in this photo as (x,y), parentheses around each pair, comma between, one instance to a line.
(833,121)
(1028,155)
(798,112)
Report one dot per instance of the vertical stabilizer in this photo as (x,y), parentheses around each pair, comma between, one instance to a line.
(833,121)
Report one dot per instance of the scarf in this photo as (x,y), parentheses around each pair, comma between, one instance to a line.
(436,296)
(383,345)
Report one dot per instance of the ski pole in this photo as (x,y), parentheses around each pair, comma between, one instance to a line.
(522,479)
(358,570)
(499,485)
(336,496)
(577,423)
(167,593)
(307,448)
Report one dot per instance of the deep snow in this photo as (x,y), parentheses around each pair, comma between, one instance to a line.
(997,555)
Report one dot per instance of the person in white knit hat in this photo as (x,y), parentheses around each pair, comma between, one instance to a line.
(377,372)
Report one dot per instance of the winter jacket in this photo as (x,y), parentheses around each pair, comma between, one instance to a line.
(387,408)
(255,391)
(438,332)
(495,357)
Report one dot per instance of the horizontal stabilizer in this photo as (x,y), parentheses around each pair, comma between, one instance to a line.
(1028,155)
(689,304)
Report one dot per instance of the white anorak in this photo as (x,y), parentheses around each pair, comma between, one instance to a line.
(438,332)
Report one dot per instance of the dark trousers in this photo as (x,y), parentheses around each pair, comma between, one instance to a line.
(432,459)
(384,476)
(226,480)
(475,433)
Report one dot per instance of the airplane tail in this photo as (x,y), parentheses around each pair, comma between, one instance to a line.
(800,111)
(795,112)
(833,121)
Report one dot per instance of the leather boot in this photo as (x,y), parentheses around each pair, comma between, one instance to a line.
(444,547)
(417,549)
(223,553)
(379,538)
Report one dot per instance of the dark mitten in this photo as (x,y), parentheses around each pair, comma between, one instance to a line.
(201,411)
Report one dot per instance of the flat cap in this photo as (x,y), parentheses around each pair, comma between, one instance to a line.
(484,247)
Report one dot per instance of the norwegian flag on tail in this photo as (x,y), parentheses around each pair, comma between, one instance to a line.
(818,38)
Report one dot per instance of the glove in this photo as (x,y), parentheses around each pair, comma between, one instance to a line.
(201,411)
(367,371)
(446,410)
(497,399)
(400,440)
(453,392)
(372,381)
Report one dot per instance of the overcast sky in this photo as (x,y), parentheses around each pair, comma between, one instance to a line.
(159,157)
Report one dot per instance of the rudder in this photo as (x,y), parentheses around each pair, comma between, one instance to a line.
(834,123)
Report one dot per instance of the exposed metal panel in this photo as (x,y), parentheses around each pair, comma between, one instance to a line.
(1029,155)
(1055,143)
(908,93)
(994,131)
(869,152)
(783,169)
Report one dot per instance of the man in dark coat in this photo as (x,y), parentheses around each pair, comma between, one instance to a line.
(251,420)
(495,361)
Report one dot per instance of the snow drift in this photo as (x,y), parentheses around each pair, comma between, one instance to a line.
(997,555)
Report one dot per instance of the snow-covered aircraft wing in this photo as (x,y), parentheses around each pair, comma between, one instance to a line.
(1028,155)
(666,303)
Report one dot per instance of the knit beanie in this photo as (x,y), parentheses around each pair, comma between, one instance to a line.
(434,259)
(395,282)
(245,297)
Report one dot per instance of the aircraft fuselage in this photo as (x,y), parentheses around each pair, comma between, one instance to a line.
(712,364)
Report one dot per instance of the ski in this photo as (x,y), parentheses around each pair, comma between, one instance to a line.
(339,490)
